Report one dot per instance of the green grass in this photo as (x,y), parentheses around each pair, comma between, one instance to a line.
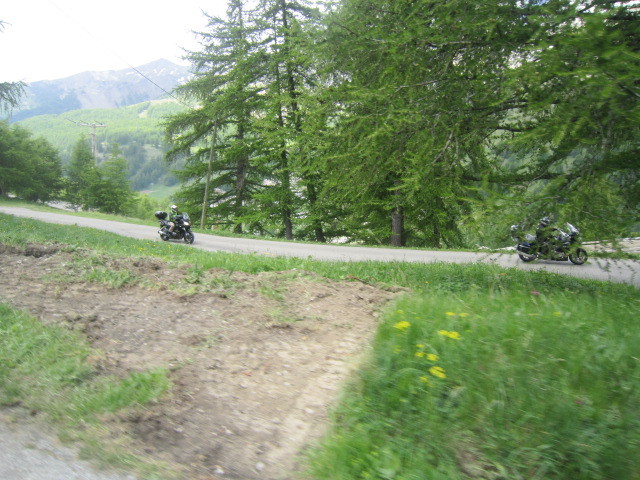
(47,369)
(514,384)
(538,378)
(161,192)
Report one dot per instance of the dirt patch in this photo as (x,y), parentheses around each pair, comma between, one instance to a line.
(256,361)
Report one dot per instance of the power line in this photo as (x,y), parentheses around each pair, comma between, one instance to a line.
(106,47)
(93,126)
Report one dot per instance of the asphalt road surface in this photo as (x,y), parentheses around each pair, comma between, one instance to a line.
(622,271)
(30,450)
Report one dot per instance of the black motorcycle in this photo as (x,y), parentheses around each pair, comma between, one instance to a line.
(182,229)
(560,246)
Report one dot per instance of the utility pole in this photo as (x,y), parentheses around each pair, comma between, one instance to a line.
(212,156)
(93,126)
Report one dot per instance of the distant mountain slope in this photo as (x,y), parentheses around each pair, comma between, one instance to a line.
(111,89)
(137,129)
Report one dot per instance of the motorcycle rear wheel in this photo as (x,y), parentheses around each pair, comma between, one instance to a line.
(579,256)
(526,258)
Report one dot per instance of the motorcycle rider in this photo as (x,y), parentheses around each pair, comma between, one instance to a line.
(173,218)
(545,237)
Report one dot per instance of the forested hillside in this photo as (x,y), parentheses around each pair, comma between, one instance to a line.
(137,130)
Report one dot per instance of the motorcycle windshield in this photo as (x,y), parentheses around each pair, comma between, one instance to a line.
(572,230)
(185,217)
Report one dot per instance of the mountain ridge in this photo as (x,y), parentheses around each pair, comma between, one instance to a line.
(101,89)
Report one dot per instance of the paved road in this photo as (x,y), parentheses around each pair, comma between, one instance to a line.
(30,450)
(622,271)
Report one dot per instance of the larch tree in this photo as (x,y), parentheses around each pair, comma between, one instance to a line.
(418,92)
(580,122)
(284,32)
(215,135)
(10,92)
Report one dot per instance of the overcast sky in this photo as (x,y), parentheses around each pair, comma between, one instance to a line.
(51,39)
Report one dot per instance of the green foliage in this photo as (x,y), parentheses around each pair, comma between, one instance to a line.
(579,116)
(29,168)
(136,128)
(104,187)
(251,72)
(526,383)
(424,91)
(411,123)
(10,94)
(80,172)
(396,122)
(37,360)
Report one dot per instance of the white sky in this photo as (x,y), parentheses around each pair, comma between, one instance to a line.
(51,39)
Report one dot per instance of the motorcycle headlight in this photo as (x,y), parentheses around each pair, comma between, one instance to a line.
(187,224)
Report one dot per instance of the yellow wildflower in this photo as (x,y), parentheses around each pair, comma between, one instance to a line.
(437,372)
(402,326)
(432,357)
(419,354)
(420,345)
(447,333)
(451,314)
(463,314)
(424,379)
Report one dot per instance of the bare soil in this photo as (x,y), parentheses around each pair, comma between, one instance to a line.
(255,361)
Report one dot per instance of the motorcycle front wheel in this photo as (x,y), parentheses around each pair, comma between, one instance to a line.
(526,258)
(579,256)
(189,237)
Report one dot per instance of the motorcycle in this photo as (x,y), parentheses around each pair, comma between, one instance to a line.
(561,246)
(182,229)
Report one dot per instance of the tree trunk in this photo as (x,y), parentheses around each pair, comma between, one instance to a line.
(288,225)
(242,166)
(212,153)
(241,181)
(312,195)
(397,227)
(437,236)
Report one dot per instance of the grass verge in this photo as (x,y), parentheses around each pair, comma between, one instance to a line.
(46,369)
(509,384)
